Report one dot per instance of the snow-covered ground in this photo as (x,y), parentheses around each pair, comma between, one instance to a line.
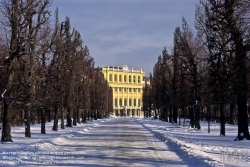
(126,142)
(214,149)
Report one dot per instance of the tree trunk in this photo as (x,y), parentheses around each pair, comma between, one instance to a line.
(55,125)
(208,120)
(222,120)
(184,114)
(161,114)
(6,131)
(79,116)
(179,118)
(88,115)
(197,117)
(175,113)
(27,121)
(191,112)
(69,120)
(1,110)
(170,115)
(62,118)
(74,117)
(91,115)
(243,131)
(43,120)
(82,116)
(155,113)
(49,115)
(96,114)
(238,37)
(215,113)
(85,116)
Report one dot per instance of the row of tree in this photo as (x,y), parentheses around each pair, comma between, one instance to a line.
(207,75)
(46,66)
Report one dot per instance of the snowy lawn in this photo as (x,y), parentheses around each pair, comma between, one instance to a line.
(217,150)
(44,149)
(126,142)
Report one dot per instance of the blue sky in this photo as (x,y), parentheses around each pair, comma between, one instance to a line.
(131,32)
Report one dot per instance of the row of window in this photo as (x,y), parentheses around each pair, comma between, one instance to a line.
(124,78)
(125,102)
(128,89)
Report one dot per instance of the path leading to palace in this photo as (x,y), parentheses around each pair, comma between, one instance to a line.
(124,142)
(117,142)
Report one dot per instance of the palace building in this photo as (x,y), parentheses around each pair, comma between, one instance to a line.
(127,85)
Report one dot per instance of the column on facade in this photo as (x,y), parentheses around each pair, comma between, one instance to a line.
(118,95)
(137,98)
(118,100)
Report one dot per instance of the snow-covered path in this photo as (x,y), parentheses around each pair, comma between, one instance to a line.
(109,142)
(124,142)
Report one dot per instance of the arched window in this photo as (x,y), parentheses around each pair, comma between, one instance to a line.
(129,79)
(115,79)
(110,77)
(120,78)
(134,102)
(125,78)
(139,79)
(139,102)
(120,102)
(134,79)
(116,102)
(125,102)
(130,102)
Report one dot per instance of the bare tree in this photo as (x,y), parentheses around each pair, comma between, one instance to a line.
(224,29)
(22,21)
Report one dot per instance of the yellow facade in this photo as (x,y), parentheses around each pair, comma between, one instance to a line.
(127,86)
